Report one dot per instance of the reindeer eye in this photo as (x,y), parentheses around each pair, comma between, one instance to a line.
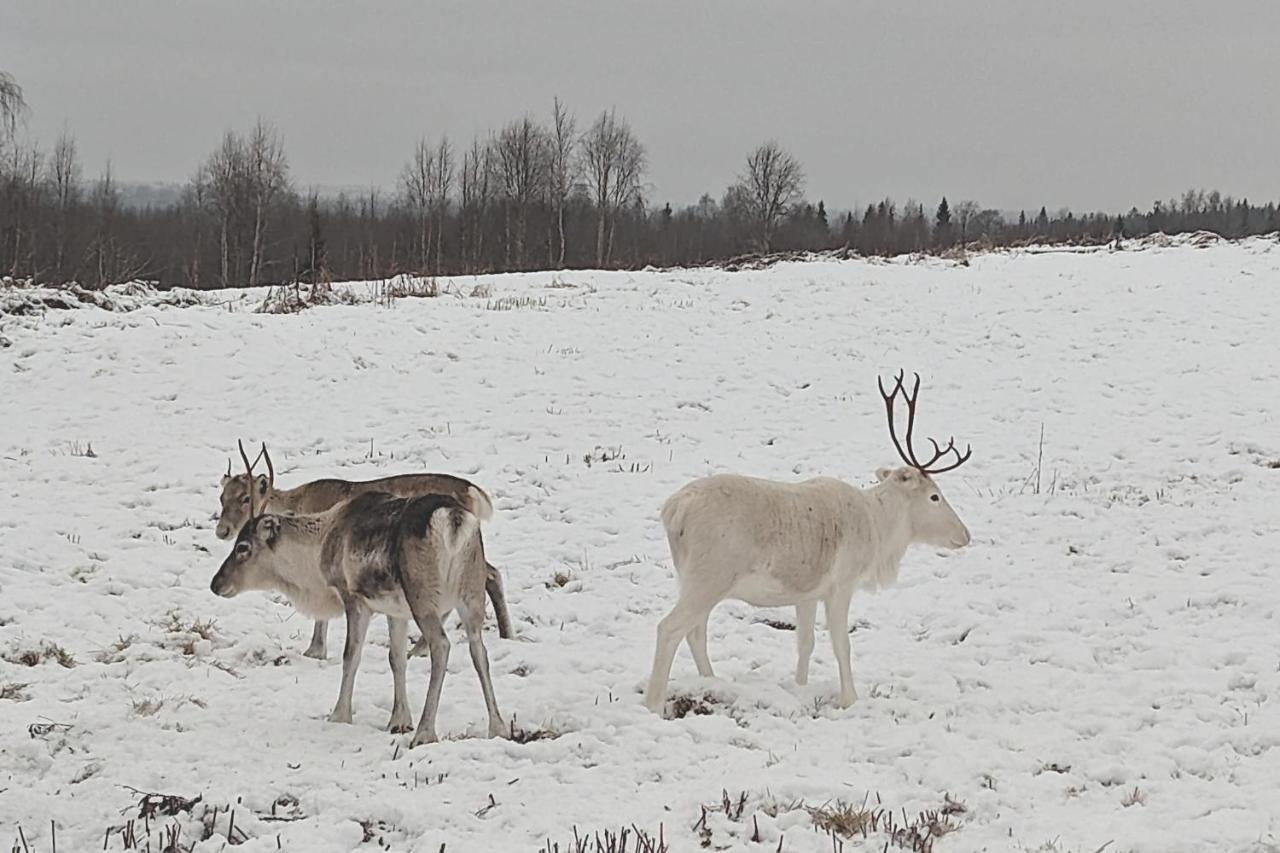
(934,498)
(245,499)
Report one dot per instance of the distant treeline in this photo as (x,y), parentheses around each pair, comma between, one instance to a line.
(533,195)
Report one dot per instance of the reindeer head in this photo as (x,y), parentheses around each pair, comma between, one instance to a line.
(238,498)
(249,565)
(933,521)
(243,569)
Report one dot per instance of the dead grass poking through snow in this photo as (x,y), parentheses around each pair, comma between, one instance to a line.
(682,705)
(14,691)
(44,652)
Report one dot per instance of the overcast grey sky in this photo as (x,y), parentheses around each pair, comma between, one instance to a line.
(1015,103)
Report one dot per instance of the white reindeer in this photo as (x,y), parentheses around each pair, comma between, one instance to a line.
(418,557)
(772,544)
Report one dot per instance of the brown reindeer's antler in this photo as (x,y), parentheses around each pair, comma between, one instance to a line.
(248,471)
(248,468)
(271,470)
(909,454)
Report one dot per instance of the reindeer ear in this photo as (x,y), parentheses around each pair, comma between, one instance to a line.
(269,528)
(263,484)
(226,478)
(883,474)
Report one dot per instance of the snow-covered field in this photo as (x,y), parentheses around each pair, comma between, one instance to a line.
(1099,668)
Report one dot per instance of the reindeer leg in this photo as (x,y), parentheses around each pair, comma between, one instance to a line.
(697,640)
(806,614)
(493,586)
(673,628)
(473,624)
(357,625)
(319,641)
(401,719)
(433,633)
(837,610)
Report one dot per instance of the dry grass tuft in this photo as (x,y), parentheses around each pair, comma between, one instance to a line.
(14,691)
(44,652)
(699,706)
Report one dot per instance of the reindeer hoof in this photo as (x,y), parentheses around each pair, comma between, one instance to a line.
(497,728)
(423,737)
(313,652)
(340,717)
(399,728)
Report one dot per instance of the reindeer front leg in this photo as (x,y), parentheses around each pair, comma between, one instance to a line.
(837,609)
(806,613)
(357,625)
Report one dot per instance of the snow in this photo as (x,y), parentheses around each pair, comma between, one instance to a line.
(1099,667)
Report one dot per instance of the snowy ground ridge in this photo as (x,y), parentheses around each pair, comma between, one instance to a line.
(1099,667)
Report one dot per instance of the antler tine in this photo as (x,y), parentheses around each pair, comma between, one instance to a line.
(228,466)
(961,458)
(249,474)
(939,452)
(888,407)
(911,419)
(271,471)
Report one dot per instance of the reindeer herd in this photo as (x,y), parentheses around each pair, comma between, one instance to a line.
(410,547)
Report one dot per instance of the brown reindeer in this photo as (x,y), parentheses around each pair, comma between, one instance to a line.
(321,495)
(407,557)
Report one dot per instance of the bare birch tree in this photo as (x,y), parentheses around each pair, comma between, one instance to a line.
(64,183)
(965,211)
(477,187)
(222,179)
(773,181)
(21,192)
(614,161)
(564,169)
(442,186)
(522,159)
(268,179)
(105,257)
(415,188)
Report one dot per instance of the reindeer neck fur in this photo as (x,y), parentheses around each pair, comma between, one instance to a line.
(285,500)
(295,567)
(891,524)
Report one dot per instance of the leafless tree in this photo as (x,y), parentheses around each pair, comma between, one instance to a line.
(564,168)
(442,186)
(12,106)
(370,262)
(110,261)
(64,184)
(477,188)
(614,161)
(523,161)
(964,212)
(243,181)
(221,181)
(21,192)
(773,182)
(268,179)
(415,187)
